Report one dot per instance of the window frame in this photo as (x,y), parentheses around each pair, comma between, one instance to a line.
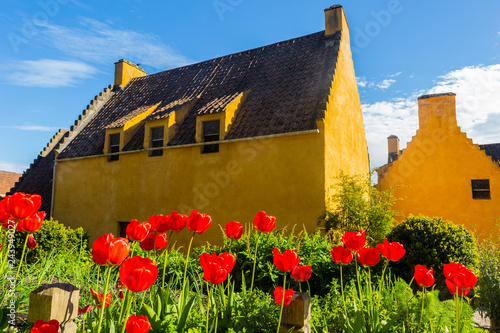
(113,147)
(153,141)
(480,192)
(211,137)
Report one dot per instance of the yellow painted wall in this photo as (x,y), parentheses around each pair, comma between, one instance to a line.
(282,176)
(345,141)
(436,170)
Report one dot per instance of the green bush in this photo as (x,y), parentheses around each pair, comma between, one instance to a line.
(358,205)
(433,242)
(53,235)
(489,278)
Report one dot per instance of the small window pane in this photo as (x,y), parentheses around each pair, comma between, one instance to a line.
(157,141)
(211,132)
(114,146)
(122,229)
(481,189)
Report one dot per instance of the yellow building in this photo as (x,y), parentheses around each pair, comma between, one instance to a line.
(442,172)
(264,129)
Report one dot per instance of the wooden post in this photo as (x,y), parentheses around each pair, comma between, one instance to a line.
(57,301)
(297,314)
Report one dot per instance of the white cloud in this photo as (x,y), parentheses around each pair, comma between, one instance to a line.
(384,84)
(361,81)
(99,42)
(32,128)
(478,110)
(395,74)
(48,73)
(12,167)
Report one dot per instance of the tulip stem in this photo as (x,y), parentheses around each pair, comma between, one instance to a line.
(165,262)
(208,304)
(255,261)
(282,304)
(97,281)
(127,312)
(342,290)
(22,258)
(185,273)
(103,305)
(125,301)
(359,282)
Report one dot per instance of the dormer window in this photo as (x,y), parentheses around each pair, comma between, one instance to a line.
(114,146)
(211,133)
(157,135)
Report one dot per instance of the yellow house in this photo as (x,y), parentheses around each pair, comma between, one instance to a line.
(442,172)
(264,129)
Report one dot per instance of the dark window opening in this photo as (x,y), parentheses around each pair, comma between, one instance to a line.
(211,133)
(122,229)
(157,141)
(481,189)
(114,146)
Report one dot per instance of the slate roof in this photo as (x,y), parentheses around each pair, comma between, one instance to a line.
(492,150)
(288,83)
(7,181)
(38,179)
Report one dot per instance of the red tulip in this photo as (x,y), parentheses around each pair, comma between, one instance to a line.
(4,215)
(138,274)
(302,273)
(31,241)
(21,205)
(99,298)
(228,261)
(459,279)
(197,222)
(368,256)
(108,250)
(225,260)
(176,222)
(85,309)
(121,295)
(158,223)
(137,324)
(234,230)
(287,261)
(278,295)
(392,251)
(137,231)
(149,243)
(32,223)
(423,276)
(214,273)
(340,255)
(51,326)
(354,241)
(263,222)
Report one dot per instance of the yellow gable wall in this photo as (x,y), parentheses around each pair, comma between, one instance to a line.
(282,176)
(436,169)
(345,140)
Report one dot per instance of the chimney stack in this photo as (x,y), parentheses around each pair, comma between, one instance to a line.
(393,148)
(126,71)
(437,111)
(334,19)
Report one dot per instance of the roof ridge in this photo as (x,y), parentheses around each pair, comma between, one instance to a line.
(232,54)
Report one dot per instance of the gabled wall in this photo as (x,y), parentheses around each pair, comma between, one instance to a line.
(436,169)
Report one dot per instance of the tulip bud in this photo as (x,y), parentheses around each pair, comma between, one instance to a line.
(31,241)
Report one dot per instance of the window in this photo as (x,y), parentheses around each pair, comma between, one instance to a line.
(211,130)
(157,141)
(481,189)
(122,229)
(114,146)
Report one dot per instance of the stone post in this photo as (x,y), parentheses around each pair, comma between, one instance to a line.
(57,301)
(297,314)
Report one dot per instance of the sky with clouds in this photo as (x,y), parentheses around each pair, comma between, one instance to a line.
(58,54)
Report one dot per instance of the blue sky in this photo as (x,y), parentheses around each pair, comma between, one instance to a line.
(58,54)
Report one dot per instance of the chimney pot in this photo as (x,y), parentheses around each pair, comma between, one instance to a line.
(126,71)
(393,148)
(334,19)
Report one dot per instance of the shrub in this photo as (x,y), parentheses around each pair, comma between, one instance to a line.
(358,205)
(433,242)
(489,278)
(53,235)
